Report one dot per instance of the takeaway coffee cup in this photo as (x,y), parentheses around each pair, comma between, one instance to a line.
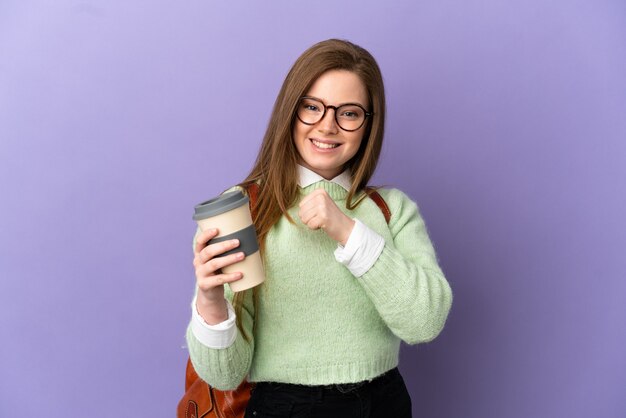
(230,214)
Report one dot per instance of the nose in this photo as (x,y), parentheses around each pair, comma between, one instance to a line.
(328,124)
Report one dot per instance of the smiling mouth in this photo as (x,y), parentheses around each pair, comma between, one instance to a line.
(323,145)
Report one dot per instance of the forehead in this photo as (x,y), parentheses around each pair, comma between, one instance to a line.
(339,86)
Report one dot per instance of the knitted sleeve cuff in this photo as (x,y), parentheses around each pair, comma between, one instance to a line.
(362,249)
(220,335)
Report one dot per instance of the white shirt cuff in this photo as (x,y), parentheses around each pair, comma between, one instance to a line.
(220,335)
(362,249)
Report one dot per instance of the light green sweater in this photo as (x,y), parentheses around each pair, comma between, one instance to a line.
(317,324)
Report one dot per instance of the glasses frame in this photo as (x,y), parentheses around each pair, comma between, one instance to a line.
(326,107)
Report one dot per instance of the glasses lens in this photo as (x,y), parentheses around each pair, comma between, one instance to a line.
(310,110)
(350,117)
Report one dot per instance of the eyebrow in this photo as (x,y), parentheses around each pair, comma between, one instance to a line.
(339,105)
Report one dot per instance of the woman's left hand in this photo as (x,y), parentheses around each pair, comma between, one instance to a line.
(319,211)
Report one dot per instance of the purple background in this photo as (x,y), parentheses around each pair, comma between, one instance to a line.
(507,124)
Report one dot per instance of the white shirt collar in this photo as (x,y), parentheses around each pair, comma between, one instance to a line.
(307,177)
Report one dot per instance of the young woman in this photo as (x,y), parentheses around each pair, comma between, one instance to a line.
(321,336)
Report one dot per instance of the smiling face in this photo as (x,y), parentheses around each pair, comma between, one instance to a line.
(324,147)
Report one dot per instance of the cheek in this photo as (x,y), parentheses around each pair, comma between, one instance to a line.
(299,137)
(299,133)
(355,144)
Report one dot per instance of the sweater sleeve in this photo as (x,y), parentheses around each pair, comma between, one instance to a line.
(225,368)
(406,283)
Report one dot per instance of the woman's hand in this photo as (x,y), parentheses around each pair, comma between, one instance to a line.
(319,211)
(210,279)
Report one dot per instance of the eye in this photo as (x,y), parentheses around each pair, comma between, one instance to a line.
(351,113)
(311,106)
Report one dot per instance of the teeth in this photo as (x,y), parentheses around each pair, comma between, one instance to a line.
(323,145)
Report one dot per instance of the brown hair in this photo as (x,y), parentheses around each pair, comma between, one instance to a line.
(275,169)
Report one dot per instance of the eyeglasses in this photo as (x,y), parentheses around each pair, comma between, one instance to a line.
(349,116)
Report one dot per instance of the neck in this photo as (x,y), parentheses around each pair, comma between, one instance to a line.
(327,174)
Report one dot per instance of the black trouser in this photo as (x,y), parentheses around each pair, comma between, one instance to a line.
(384,397)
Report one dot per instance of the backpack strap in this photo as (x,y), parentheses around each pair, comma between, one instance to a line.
(380,202)
(253,194)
